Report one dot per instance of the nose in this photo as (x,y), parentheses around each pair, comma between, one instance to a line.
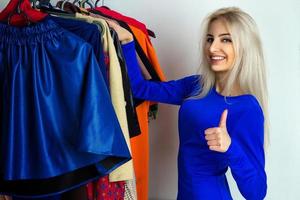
(214,46)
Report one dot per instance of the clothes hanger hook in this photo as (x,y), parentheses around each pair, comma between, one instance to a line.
(96,4)
(63,4)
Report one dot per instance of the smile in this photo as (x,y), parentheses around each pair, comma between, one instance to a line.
(217,58)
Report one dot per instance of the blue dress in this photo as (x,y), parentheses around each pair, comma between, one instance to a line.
(201,172)
(58,128)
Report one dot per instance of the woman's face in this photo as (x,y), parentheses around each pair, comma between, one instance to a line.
(219,49)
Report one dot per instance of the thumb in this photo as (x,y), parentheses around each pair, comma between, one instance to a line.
(223,119)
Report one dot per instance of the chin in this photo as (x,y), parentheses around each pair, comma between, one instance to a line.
(216,68)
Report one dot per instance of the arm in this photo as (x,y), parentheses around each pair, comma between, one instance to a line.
(172,92)
(246,155)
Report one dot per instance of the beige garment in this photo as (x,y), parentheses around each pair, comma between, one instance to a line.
(143,68)
(124,172)
(130,185)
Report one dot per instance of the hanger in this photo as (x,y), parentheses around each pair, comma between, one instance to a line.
(83,2)
(71,8)
(20,12)
(46,7)
(33,3)
(107,12)
(96,3)
(76,1)
(63,4)
(41,3)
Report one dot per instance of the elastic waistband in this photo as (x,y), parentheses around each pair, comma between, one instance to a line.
(43,31)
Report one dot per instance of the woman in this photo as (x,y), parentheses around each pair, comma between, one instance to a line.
(223,113)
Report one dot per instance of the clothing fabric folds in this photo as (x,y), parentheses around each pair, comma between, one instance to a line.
(90,33)
(140,143)
(57,118)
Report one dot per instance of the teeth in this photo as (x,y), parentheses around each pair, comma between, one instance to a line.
(217,57)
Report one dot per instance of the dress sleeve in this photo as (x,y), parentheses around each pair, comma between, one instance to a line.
(171,92)
(246,155)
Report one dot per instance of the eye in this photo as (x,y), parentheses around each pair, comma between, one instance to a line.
(209,40)
(226,40)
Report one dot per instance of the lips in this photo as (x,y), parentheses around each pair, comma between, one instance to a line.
(216,59)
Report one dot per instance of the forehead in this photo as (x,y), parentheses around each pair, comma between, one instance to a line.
(217,26)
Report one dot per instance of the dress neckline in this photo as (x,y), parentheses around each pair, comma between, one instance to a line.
(230,97)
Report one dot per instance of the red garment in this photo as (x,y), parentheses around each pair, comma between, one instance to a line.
(102,189)
(128,20)
(19,20)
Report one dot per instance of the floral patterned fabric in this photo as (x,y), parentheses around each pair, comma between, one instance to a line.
(102,189)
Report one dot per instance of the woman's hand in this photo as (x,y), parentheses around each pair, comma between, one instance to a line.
(123,35)
(218,138)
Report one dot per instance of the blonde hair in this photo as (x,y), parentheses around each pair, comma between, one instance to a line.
(249,69)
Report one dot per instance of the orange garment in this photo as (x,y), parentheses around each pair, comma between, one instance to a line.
(148,50)
(140,143)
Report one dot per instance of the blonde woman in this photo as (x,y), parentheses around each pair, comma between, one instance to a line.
(223,113)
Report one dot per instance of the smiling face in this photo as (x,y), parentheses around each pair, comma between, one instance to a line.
(219,49)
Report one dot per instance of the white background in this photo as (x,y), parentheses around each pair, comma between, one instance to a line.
(176,24)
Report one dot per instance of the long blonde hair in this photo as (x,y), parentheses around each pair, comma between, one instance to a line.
(249,67)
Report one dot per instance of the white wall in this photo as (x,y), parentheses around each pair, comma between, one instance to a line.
(176,24)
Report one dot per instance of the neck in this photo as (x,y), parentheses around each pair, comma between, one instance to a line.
(221,80)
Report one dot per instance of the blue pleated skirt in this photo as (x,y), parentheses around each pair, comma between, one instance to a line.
(56,116)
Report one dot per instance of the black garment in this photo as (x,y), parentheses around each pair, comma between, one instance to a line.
(139,50)
(132,120)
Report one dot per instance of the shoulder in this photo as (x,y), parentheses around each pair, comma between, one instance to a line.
(253,108)
(248,121)
(249,117)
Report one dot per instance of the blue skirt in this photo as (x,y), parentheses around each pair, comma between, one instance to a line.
(56,117)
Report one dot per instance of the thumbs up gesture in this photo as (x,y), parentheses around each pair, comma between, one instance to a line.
(218,138)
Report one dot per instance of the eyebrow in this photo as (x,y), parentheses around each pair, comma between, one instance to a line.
(223,34)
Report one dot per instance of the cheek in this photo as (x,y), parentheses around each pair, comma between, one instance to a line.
(231,55)
(206,48)
(206,54)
